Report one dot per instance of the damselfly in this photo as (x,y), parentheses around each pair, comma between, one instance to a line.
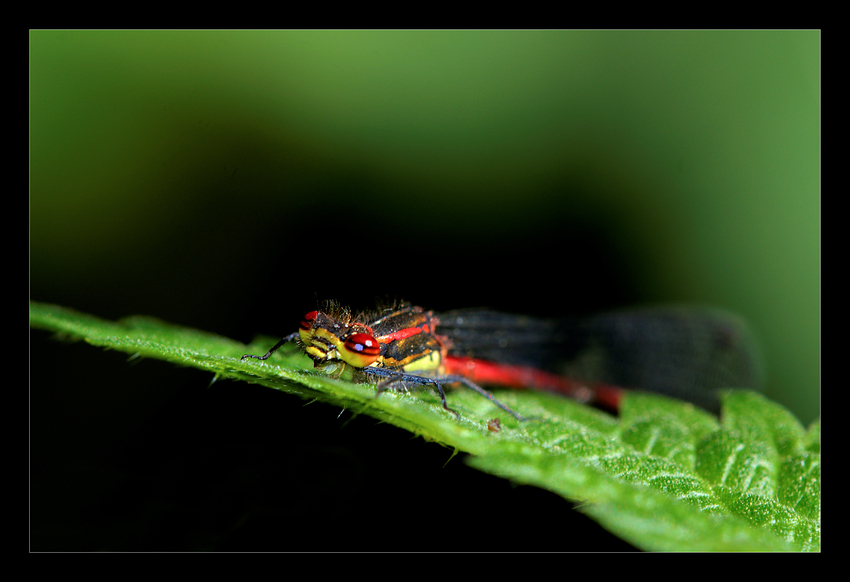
(683,352)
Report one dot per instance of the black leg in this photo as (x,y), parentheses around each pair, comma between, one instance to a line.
(443,398)
(288,338)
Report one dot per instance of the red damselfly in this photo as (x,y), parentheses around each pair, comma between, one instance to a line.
(683,352)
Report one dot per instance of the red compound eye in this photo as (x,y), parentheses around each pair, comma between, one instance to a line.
(307,321)
(360,350)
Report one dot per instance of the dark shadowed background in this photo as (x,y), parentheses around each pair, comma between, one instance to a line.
(226,180)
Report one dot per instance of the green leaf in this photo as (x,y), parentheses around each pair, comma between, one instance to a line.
(665,475)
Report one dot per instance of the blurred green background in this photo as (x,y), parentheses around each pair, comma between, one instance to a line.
(228,180)
(224,180)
